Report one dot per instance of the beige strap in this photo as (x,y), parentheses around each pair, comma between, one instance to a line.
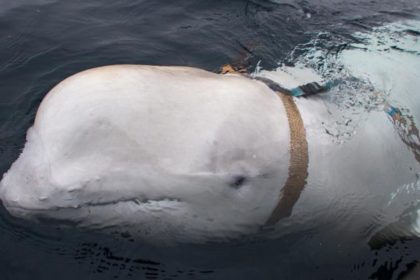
(298,164)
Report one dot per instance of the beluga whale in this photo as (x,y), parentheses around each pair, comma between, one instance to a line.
(180,154)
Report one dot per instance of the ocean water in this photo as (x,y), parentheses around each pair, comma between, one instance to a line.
(371,46)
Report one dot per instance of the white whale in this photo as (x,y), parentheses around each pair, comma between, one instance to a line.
(182,154)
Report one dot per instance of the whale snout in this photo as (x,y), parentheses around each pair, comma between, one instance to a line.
(27,205)
(18,203)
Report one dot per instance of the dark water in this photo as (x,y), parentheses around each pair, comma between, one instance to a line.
(44,41)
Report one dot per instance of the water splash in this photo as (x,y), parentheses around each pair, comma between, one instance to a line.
(374,70)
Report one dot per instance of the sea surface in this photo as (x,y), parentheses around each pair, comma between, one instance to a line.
(368,43)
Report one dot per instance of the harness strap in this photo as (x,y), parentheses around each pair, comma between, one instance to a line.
(300,91)
(298,163)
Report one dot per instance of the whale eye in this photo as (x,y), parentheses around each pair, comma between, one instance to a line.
(238,181)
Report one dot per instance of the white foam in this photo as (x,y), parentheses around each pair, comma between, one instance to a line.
(291,77)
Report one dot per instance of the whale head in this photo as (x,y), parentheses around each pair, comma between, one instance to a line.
(122,147)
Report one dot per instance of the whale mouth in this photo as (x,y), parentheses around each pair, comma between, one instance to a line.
(23,211)
(73,216)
